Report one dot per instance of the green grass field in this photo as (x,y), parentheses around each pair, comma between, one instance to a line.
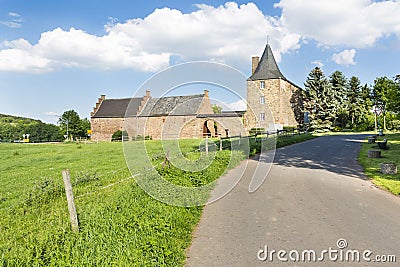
(120,225)
(372,166)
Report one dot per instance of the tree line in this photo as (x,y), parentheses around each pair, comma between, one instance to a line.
(337,103)
(14,128)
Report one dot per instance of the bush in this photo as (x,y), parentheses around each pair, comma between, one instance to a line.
(43,192)
(119,135)
(254,131)
(289,128)
(393,125)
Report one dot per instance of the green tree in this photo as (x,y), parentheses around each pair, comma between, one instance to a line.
(43,132)
(319,101)
(393,104)
(354,96)
(366,96)
(72,125)
(339,89)
(382,92)
(216,109)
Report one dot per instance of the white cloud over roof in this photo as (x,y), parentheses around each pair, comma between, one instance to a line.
(227,34)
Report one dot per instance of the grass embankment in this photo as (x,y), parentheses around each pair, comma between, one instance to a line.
(119,225)
(372,165)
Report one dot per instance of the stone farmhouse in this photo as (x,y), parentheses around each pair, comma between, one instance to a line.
(271,104)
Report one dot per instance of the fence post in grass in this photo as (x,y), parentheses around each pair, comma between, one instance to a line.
(70,198)
(206,145)
(220,143)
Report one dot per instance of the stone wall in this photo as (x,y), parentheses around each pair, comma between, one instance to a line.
(104,128)
(277,108)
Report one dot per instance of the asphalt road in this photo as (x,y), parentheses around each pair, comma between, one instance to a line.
(314,195)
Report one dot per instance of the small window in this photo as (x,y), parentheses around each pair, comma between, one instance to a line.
(262,116)
(262,99)
(262,85)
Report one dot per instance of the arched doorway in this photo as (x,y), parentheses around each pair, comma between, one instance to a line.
(206,130)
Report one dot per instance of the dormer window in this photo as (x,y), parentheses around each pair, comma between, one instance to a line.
(262,99)
(262,85)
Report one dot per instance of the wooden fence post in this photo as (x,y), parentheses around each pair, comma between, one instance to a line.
(70,198)
(206,145)
(220,143)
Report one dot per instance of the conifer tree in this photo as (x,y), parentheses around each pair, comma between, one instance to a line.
(319,101)
(339,89)
(354,95)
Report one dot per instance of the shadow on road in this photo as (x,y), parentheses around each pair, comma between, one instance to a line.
(337,154)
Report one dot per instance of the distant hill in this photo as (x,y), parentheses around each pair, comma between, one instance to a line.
(14,127)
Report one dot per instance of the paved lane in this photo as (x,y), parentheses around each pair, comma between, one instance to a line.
(314,195)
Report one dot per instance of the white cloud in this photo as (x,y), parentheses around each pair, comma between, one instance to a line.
(318,63)
(51,113)
(230,34)
(11,24)
(14,21)
(13,14)
(236,106)
(356,23)
(346,57)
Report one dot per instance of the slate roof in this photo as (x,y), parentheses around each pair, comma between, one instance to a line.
(173,105)
(267,67)
(116,108)
(224,114)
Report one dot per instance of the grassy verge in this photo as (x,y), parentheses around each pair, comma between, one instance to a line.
(372,166)
(119,225)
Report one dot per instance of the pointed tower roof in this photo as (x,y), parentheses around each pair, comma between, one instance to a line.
(267,67)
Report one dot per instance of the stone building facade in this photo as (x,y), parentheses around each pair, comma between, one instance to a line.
(162,118)
(271,98)
(271,102)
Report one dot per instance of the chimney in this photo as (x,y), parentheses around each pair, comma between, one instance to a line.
(144,101)
(99,100)
(254,64)
(206,93)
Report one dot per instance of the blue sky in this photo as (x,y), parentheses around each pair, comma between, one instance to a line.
(60,55)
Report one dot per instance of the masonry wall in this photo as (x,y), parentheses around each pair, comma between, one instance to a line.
(104,128)
(277,108)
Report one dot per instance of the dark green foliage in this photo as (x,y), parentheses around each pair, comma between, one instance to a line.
(254,131)
(343,104)
(119,135)
(356,109)
(339,88)
(85,177)
(386,96)
(13,128)
(43,191)
(72,125)
(289,128)
(216,109)
(319,101)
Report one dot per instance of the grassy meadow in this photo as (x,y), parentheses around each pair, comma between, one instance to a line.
(372,165)
(120,225)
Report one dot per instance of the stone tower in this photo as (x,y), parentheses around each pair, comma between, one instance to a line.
(270,96)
